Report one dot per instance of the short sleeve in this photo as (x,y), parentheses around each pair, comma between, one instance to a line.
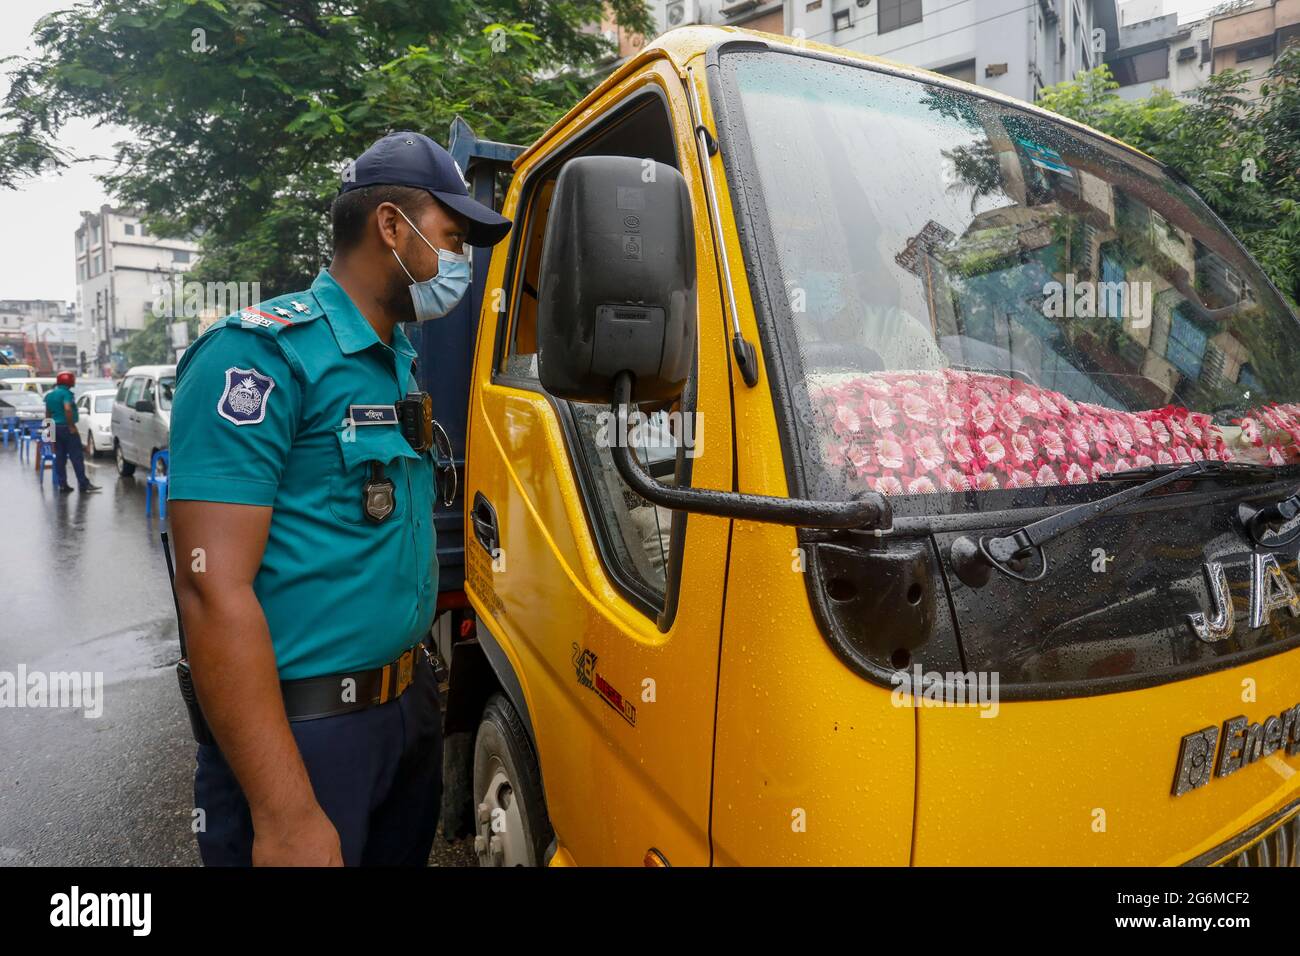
(234,416)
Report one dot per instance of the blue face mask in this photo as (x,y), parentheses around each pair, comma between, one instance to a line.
(434,298)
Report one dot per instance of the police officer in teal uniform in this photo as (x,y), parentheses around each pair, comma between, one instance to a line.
(61,409)
(302,514)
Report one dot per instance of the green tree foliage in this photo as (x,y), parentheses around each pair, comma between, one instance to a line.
(243,113)
(1241,154)
(152,345)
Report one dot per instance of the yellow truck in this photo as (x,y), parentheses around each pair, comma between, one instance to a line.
(865,468)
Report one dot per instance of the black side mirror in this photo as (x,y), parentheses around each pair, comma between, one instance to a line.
(617,281)
(144,405)
(616,322)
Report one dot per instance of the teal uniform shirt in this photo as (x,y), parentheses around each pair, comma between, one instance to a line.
(263,414)
(54,400)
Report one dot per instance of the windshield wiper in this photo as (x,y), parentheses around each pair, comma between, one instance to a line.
(973,558)
(1208,469)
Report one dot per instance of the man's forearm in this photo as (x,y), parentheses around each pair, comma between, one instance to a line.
(234,669)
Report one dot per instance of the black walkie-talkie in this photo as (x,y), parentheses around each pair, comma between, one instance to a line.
(198,725)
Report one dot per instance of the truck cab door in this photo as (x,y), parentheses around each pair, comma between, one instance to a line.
(608,608)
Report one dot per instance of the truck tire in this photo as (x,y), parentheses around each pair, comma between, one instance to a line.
(124,467)
(510,808)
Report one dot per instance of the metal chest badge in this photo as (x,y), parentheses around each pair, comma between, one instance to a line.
(377,496)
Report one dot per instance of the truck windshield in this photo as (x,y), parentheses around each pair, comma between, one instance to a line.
(967,297)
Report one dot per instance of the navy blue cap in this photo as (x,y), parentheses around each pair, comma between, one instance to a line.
(413,159)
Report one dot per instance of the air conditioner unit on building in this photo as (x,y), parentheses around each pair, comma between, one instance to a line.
(736,6)
(680,13)
(1186,53)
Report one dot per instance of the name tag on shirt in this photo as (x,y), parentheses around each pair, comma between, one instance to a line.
(372,414)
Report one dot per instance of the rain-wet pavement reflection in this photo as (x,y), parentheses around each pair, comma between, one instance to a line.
(85,589)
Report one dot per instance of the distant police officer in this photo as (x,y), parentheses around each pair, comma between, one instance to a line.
(61,408)
(302,517)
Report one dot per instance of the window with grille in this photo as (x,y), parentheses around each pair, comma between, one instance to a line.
(1186,348)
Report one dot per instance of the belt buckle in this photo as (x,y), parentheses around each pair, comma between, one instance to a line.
(404,670)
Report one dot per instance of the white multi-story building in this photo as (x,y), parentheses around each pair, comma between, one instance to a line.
(769,16)
(38,332)
(120,268)
(1011,46)
(52,346)
(1159,53)
(1139,11)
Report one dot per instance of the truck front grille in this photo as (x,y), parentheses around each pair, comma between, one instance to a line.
(1271,842)
(1278,847)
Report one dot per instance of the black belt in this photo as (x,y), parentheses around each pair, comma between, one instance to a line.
(333,694)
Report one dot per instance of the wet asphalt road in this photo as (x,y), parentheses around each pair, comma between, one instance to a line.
(85,589)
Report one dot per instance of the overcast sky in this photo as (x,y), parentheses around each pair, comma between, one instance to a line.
(37,222)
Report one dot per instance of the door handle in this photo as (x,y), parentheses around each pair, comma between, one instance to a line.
(484,518)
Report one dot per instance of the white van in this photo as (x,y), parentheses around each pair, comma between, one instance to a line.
(142,415)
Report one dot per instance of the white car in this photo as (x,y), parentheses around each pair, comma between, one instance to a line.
(22,405)
(95,420)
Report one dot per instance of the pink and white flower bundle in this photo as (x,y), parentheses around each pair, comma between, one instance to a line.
(949,430)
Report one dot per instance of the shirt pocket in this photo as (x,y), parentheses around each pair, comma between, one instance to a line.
(359,449)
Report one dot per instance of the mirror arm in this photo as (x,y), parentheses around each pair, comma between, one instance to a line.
(870,512)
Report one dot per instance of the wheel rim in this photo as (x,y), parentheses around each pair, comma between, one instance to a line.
(121,460)
(505,843)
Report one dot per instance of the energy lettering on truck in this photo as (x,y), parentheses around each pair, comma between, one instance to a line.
(1239,744)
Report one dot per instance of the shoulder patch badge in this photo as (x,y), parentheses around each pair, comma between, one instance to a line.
(243,401)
